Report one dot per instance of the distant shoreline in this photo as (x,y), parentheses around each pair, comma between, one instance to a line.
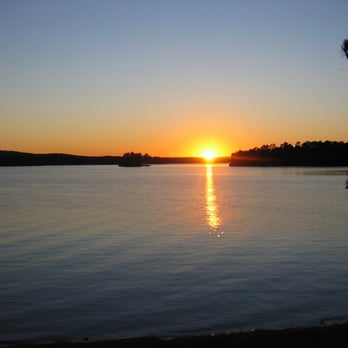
(323,336)
(308,154)
(17,159)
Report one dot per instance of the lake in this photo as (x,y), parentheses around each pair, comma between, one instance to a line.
(106,252)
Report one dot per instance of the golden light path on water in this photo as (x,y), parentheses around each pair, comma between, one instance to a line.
(212,208)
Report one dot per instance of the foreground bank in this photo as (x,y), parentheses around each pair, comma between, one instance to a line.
(326,336)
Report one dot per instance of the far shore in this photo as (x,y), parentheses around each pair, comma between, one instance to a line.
(324,336)
(14,158)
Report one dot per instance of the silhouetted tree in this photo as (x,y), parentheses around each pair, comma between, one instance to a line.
(344,47)
(134,159)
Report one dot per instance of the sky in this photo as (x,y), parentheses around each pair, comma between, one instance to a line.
(170,77)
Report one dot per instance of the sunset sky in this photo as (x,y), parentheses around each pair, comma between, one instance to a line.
(170,77)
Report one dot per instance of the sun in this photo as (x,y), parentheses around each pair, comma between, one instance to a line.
(209,155)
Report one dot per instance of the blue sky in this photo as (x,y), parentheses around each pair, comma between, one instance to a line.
(170,77)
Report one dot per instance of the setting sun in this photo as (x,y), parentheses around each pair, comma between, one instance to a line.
(209,155)
(210,148)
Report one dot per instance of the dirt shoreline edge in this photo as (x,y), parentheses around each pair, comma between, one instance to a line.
(325,336)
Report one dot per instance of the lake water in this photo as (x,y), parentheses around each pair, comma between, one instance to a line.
(106,252)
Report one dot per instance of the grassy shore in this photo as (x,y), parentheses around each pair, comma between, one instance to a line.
(329,336)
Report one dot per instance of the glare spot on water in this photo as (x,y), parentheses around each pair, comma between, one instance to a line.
(212,208)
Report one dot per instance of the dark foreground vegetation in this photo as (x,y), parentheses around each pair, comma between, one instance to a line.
(14,158)
(330,337)
(309,153)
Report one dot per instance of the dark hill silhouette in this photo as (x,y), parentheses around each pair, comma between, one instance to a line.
(14,158)
(309,153)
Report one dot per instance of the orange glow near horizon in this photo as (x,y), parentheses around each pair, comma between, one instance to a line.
(210,149)
(208,152)
(169,144)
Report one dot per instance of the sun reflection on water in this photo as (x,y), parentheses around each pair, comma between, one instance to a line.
(212,208)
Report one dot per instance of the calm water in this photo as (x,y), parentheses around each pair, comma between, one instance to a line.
(107,252)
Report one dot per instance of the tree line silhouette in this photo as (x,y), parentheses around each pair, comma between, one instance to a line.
(137,159)
(309,153)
